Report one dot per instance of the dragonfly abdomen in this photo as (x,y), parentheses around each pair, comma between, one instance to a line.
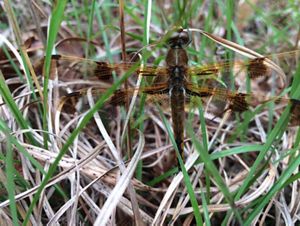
(177,101)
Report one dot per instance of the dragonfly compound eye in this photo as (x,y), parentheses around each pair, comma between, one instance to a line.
(179,39)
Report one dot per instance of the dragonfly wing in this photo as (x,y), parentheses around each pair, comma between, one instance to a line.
(240,102)
(260,67)
(119,97)
(255,68)
(102,70)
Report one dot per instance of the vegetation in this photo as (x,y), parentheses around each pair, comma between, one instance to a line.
(85,161)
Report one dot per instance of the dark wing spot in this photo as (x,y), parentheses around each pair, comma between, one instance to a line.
(199,94)
(118,98)
(104,71)
(210,71)
(258,68)
(238,102)
(159,92)
(149,71)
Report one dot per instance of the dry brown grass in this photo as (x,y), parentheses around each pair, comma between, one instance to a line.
(95,180)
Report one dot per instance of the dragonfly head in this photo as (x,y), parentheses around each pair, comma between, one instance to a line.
(179,38)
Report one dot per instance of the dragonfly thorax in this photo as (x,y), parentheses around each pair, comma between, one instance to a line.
(177,58)
(177,78)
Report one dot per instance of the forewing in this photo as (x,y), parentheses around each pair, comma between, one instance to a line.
(262,67)
(100,69)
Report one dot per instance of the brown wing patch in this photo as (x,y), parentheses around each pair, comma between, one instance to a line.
(238,102)
(258,68)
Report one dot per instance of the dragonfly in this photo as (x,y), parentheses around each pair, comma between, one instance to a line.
(172,83)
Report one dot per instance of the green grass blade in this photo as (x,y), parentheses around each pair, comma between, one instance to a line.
(10,175)
(282,180)
(55,21)
(215,174)
(8,99)
(186,177)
